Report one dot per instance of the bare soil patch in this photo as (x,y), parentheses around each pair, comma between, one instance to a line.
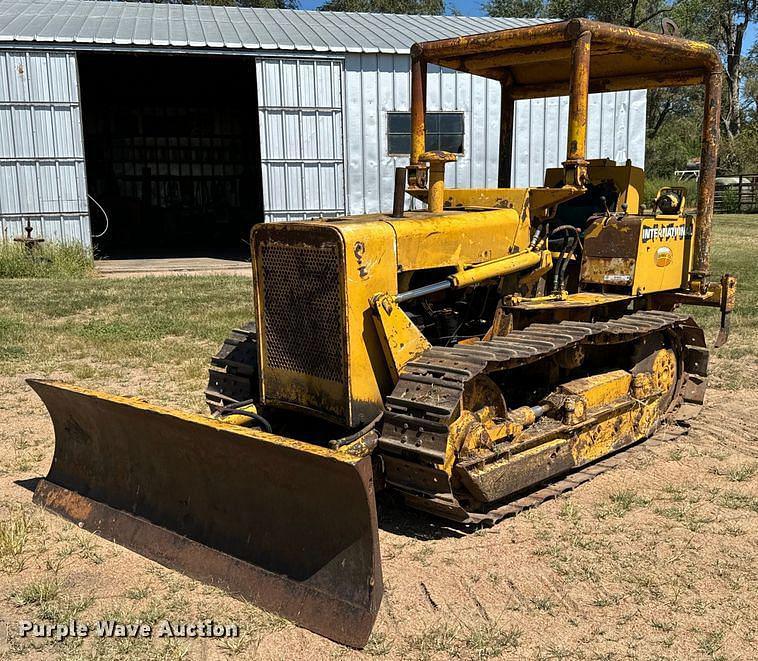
(653,560)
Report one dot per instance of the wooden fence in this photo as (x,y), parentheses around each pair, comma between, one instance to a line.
(737,194)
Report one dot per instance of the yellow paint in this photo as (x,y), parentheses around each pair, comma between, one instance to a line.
(367,264)
(476,431)
(528,202)
(663,256)
(241,420)
(531,277)
(599,408)
(599,440)
(436,187)
(400,339)
(242,433)
(492,198)
(372,254)
(426,241)
(664,369)
(599,389)
(520,261)
(374,271)
(628,179)
(581,299)
(662,235)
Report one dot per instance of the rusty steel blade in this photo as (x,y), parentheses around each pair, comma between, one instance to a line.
(289,526)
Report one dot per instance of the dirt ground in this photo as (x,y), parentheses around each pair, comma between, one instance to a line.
(652,560)
(656,559)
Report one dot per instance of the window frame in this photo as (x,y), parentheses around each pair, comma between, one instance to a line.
(389,133)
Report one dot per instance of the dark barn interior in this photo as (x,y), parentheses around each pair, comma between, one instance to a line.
(172,151)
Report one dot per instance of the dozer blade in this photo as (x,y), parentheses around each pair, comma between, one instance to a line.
(287,525)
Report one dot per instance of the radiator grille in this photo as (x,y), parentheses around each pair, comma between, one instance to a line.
(302,313)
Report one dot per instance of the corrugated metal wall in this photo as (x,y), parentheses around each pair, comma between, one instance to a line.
(42,176)
(377,84)
(302,153)
(615,129)
(308,165)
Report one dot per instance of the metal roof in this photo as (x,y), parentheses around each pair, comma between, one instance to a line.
(88,23)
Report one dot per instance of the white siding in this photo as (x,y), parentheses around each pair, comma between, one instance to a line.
(376,84)
(615,129)
(323,128)
(302,154)
(42,176)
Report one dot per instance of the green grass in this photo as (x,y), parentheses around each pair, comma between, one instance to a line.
(490,640)
(50,600)
(734,252)
(53,260)
(15,532)
(620,503)
(92,328)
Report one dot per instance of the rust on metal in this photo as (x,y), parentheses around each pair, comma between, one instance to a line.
(490,42)
(576,162)
(707,183)
(422,413)
(507,105)
(418,109)
(621,58)
(436,190)
(216,502)
(638,56)
(398,198)
(613,84)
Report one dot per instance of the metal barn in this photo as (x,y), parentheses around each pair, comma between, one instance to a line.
(187,124)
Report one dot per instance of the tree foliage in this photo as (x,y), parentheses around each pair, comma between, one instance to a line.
(634,13)
(674,115)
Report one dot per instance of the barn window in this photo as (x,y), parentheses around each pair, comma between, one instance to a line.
(444,130)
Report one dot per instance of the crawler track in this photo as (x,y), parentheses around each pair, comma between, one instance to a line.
(425,400)
(233,373)
(429,392)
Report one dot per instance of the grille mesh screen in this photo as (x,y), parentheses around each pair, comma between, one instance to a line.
(303,309)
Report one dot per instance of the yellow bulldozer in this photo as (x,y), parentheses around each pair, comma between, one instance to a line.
(490,349)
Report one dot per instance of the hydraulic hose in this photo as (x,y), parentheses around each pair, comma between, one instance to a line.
(569,245)
(565,262)
(339,442)
(255,416)
(236,409)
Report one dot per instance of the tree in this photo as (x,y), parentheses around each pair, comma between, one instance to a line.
(732,21)
(515,8)
(634,13)
(750,93)
(671,111)
(429,7)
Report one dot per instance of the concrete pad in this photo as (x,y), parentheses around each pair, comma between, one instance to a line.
(130,268)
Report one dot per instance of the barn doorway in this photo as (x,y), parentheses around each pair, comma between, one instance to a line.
(172,154)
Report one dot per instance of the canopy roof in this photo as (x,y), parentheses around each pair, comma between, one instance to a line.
(536,59)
